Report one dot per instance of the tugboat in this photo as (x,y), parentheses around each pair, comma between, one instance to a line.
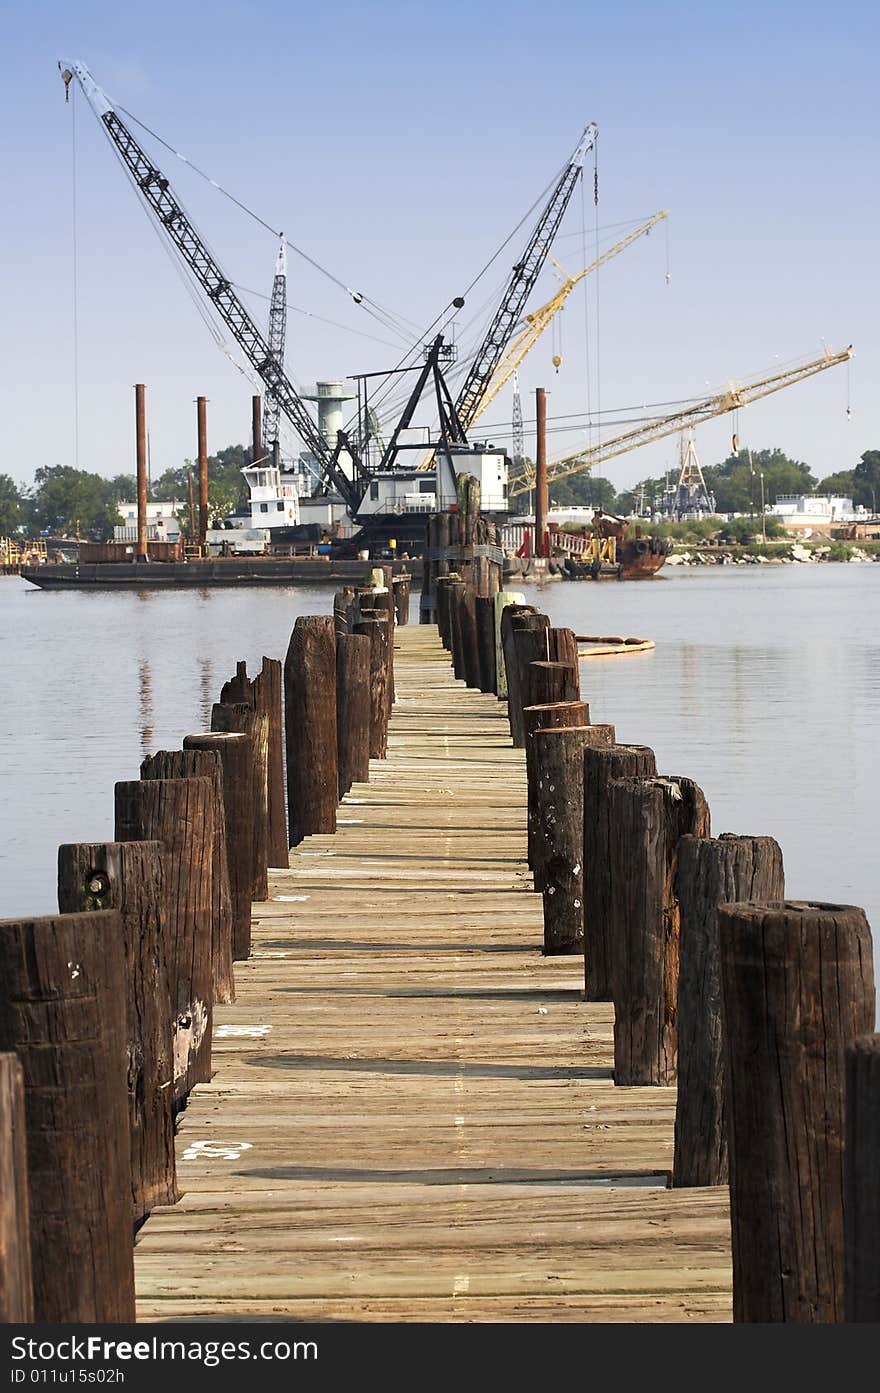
(603,548)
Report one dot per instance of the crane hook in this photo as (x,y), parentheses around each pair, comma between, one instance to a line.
(67,78)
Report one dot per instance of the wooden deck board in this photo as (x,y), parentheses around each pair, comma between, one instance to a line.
(412,1115)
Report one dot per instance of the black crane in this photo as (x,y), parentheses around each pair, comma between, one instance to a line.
(522,279)
(156,190)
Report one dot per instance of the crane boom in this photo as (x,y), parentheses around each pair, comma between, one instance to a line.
(519,286)
(156,190)
(277,334)
(537,322)
(717,405)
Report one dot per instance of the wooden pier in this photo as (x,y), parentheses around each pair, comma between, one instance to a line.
(412,1115)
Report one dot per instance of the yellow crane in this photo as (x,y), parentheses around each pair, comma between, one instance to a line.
(538,321)
(729,400)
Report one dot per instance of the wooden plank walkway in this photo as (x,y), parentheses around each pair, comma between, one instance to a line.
(412,1115)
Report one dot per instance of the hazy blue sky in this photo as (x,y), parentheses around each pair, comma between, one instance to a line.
(399,144)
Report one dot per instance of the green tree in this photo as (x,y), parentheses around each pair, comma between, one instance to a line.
(583,491)
(123,488)
(11,510)
(842,483)
(65,499)
(172,485)
(736,482)
(866,480)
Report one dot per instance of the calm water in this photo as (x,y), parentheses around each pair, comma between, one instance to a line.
(763,687)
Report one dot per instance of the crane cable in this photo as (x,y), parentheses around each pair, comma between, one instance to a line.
(75,290)
(371,306)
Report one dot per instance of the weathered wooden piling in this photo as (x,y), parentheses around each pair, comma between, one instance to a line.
(240,718)
(310,723)
(798,988)
(601,768)
(16,1283)
(549,682)
(62,1010)
(235,752)
(377,633)
(484,613)
(469,639)
(559,842)
(455,592)
(562,648)
(268,700)
(130,878)
(180,813)
(400,586)
(442,610)
(265,694)
(502,601)
(710,872)
(646,819)
(862,1181)
(194,763)
(352,710)
(550,716)
(526,643)
(343,606)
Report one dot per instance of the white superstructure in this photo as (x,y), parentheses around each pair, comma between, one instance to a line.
(274,496)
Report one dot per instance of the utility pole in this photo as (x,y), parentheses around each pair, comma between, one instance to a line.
(541,494)
(202,416)
(763,514)
(141,448)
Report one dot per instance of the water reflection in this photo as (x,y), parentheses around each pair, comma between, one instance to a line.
(145,692)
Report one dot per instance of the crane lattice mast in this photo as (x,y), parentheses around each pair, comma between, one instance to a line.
(717,405)
(156,190)
(538,321)
(276,338)
(518,442)
(520,284)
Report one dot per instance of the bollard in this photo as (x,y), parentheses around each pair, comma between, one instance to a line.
(377,633)
(862,1181)
(797,985)
(352,710)
(239,718)
(236,757)
(130,877)
(710,873)
(559,840)
(187,764)
(180,813)
(310,712)
(646,820)
(16,1283)
(62,1009)
(601,767)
